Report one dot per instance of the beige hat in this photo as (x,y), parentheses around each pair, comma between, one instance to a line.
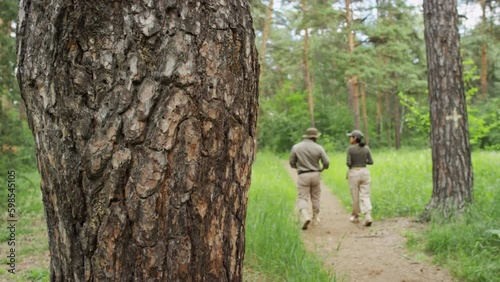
(356,133)
(311,133)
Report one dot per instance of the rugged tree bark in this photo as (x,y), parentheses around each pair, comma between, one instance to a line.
(352,80)
(143,114)
(451,157)
(306,68)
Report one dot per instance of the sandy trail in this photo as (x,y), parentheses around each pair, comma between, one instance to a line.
(358,253)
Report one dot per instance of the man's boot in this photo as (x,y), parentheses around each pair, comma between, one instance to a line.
(315,219)
(368,219)
(306,218)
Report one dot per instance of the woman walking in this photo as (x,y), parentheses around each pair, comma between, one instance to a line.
(358,156)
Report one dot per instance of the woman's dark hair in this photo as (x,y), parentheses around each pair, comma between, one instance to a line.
(361,144)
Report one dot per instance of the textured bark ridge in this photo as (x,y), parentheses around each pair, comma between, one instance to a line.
(144,115)
(452,167)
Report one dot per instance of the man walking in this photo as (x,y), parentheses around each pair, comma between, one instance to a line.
(305,157)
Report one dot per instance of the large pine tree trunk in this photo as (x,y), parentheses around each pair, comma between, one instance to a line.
(451,157)
(143,114)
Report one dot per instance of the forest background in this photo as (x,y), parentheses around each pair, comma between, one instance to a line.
(335,70)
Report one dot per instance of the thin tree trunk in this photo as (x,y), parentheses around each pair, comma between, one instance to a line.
(451,156)
(363,107)
(265,36)
(397,119)
(388,126)
(379,116)
(143,114)
(306,66)
(352,80)
(484,54)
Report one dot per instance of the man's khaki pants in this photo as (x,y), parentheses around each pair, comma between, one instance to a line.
(308,185)
(359,183)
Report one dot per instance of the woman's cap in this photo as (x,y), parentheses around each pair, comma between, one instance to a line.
(356,133)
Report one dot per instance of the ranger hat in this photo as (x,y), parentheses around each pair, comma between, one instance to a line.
(311,133)
(356,133)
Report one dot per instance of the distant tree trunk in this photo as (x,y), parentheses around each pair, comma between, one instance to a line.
(306,66)
(397,121)
(143,114)
(451,156)
(389,113)
(363,107)
(352,80)
(265,36)
(379,116)
(484,54)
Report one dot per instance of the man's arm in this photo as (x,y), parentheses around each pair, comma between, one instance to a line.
(293,159)
(324,160)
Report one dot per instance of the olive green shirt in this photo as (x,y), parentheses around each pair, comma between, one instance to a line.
(305,156)
(358,156)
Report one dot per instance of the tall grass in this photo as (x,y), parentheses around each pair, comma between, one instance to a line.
(470,246)
(401,182)
(273,243)
(402,186)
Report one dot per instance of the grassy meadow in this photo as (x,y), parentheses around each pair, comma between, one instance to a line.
(402,186)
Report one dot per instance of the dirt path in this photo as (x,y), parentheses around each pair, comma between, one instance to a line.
(358,254)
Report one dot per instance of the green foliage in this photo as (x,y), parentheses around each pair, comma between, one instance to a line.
(15,134)
(273,243)
(418,117)
(282,121)
(37,274)
(483,118)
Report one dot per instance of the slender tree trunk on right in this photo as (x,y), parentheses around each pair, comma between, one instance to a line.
(451,156)
(306,66)
(352,80)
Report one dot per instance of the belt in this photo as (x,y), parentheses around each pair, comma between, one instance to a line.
(307,171)
(357,167)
